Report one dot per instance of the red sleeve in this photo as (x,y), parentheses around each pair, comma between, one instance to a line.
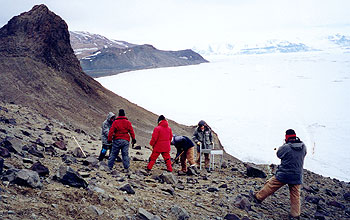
(154,137)
(111,132)
(131,131)
(171,134)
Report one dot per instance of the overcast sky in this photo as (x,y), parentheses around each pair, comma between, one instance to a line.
(179,24)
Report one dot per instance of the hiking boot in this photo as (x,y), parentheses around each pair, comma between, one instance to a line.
(126,170)
(253,197)
(181,173)
(294,218)
(194,168)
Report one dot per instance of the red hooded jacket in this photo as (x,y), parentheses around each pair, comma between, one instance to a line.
(120,129)
(161,137)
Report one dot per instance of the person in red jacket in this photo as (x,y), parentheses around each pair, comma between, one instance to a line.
(120,133)
(161,139)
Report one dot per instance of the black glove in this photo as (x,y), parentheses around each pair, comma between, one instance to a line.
(133,141)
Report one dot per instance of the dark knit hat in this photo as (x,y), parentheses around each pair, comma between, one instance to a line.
(290,133)
(161,117)
(201,123)
(121,112)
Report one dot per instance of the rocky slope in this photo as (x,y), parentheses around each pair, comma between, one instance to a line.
(46,176)
(100,56)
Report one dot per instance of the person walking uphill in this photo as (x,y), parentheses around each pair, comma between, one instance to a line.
(120,133)
(290,172)
(202,136)
(106,125)
(161,138)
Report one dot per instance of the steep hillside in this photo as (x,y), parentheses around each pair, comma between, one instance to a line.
(39,69)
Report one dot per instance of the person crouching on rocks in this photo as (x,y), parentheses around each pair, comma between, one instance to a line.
(120,133)
(290,172)
(185,150)
(202,136)
(106,125)
(160,142)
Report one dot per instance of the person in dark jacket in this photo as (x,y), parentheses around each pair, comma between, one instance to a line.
(290,172)
(120,133)
(106,125)
(161,138)
(202,136)
(185,148)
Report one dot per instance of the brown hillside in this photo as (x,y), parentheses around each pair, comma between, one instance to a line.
(39,69)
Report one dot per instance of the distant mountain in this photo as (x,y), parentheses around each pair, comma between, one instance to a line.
(340,40)
(85,44)
(100,56)
(271,46)
(38,69)
(109,61)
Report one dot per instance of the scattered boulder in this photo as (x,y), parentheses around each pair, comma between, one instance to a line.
(145,215)
(4,152)
(78,153)
(68,159)
(93,161)
(10,174)
(313,199)
(231,217)
(27,177)
(40,169)
(127,188)
(179,213)
(60,145)
(254,171)
(96,210)
(242,203)
(213,189)
(11,121)
(168,177)
(51,150)
(347,196)
(336,204)
(67,176)
(14,145)
(1,165)
(34,151)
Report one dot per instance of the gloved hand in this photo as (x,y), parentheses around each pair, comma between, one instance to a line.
(109,142)
(133,141)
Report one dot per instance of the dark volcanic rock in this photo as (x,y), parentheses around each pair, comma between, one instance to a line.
(68,176)
(255,172)
(4,152)
(28,178)
(1,165)
(231,217)
(40,169)
(127,188)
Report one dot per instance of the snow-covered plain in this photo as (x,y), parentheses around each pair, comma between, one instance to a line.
(250,100)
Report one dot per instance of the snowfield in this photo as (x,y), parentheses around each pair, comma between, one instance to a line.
(250,100)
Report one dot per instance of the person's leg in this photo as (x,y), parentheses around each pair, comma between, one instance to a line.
(113,154)
(294,192)
(152,160)
(190,156)
(206,161)
(166,156)
(103,152)
(271,186)
(183,162)
(125,153)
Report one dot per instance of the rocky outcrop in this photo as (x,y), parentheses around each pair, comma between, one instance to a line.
(110,61)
